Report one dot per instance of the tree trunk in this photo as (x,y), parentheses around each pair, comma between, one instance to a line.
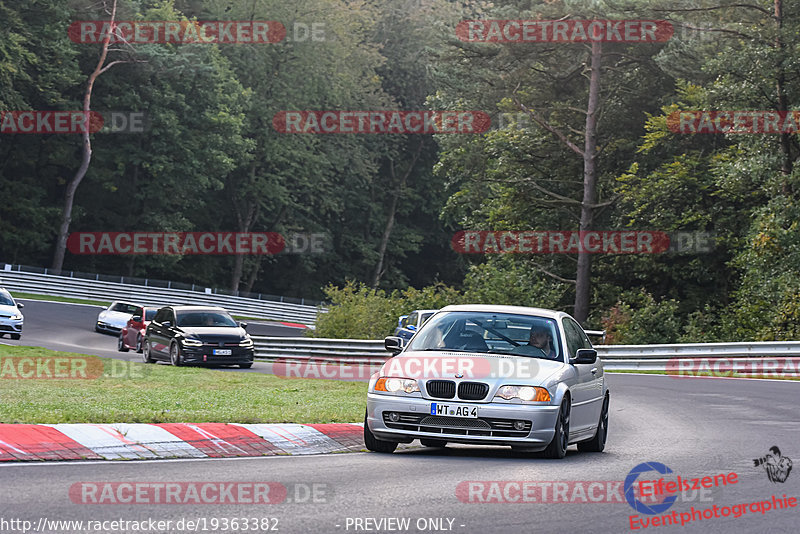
(787,162)
(584,273)
(86,158)
(390,219)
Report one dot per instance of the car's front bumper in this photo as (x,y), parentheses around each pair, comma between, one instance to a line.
(11,326)
(205,355)
(494,425)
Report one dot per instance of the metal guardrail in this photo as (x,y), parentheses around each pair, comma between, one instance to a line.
(615,357)
(52,285)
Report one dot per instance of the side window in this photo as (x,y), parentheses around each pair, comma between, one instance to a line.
(412,319)
(574,338)
(161,316)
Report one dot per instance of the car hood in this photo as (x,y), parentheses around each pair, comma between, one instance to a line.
(115,315)
(488,368)
(209,332)
(8,310)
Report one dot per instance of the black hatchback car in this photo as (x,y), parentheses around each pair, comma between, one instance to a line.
(186,335)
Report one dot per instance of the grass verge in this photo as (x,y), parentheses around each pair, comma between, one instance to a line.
(105,390)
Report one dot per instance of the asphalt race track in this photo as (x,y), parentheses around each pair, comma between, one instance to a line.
(695,426)
(70,328)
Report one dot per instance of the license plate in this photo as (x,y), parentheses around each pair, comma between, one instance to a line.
(454,410)
(222,352)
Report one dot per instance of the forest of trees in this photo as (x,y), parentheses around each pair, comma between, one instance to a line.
(582,137)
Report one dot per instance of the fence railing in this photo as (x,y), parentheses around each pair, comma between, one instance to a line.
(67,286)
(614,357)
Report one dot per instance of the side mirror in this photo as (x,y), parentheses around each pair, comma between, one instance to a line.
(167,324)
(584,356)
(243,325)
(136,318)
(393,344)
(20,305)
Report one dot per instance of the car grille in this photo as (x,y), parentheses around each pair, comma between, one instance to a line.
(437,424)
(441,389)
(472,390)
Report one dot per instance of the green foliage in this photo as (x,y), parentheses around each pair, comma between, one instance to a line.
(637,319)
(357,311)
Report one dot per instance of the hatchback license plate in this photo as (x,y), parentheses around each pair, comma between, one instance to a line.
(222,352)
(454,410)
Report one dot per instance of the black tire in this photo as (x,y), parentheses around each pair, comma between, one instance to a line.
(15,336)
(175,355)
(139,347)
(598,442)
(374,444)
(557,448)
(146,356)
(245,365)
(121,343)
(439,443)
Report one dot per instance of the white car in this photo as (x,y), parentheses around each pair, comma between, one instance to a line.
(11,318)
(527,378)
(114,318)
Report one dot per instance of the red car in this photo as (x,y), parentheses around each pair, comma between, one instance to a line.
(132,334)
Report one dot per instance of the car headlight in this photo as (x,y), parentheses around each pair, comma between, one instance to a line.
(16,317)
(190,342)
(396,385)
(246,342)
(524,393)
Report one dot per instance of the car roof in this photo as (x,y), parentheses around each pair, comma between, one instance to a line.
(519,310)
(424,311)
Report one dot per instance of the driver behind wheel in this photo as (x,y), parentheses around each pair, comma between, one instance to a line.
(540,342)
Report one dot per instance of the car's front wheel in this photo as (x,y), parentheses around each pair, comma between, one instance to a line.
(15,336)
(139,343)
(598,442)
(558,447)
(121,344)
(175,355)
(374,444)
(146,356)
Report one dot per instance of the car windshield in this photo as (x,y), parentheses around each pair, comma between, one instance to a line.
(6,300)
(149,314)
(490,332)
(205,318)
(125,308)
